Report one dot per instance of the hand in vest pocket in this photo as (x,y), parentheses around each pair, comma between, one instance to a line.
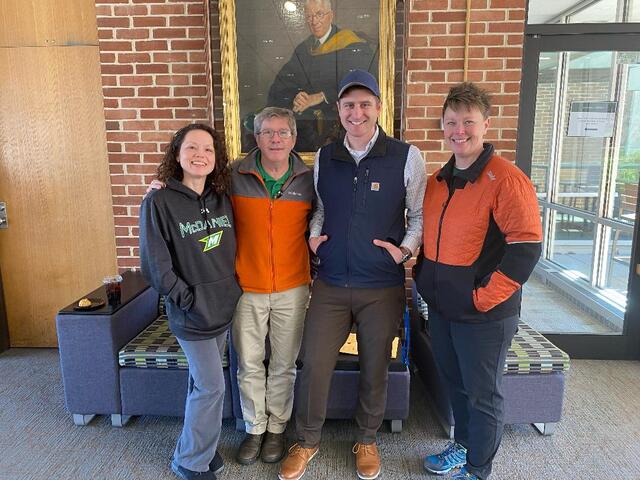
(316,242)
(395,252)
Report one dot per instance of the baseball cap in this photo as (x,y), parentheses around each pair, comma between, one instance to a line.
(359,78)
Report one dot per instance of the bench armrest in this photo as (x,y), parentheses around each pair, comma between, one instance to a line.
(89,346)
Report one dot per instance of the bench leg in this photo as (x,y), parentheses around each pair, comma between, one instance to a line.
(240,426)
(82,420)
(119,420)
(448,429)
(396,425)
(545,429)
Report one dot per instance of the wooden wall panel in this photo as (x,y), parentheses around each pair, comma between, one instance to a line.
(54,177)
(47,23)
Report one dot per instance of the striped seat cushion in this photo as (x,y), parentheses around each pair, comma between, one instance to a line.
(530,351)
(156,347)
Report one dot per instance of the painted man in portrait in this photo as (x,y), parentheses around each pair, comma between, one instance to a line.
(308,82)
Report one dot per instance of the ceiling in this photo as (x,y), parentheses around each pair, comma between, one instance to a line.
(542,11)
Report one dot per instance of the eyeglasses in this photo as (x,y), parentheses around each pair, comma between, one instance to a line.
(271,133)
(315,16)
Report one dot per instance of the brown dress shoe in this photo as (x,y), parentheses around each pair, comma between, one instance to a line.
(294,466)
(272,447)
(367,460)
(249,450)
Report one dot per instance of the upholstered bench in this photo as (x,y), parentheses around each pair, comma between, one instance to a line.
(154,374)
(533,375)
(152,378)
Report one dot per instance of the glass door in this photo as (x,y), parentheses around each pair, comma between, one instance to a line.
(579,139)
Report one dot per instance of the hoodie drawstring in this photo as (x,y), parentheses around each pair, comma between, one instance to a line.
(203,212)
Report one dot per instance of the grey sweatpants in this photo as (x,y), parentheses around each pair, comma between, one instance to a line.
(205,399)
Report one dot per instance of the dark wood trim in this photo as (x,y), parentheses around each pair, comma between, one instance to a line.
(4,327)
(597,347)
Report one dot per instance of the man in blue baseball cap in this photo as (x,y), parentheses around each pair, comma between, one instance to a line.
(367,223)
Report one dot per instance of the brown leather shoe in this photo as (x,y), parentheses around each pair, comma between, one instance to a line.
(367,460)
(272,447)
(249,450)
(294,466)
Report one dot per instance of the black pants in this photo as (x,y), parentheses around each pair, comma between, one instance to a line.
(470,359)
(377,313)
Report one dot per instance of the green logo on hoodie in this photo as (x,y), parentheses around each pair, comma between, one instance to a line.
(211,241)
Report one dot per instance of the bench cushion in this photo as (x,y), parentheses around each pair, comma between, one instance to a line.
(156,347)
(530,351)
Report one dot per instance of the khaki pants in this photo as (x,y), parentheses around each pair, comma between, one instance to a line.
(267,398)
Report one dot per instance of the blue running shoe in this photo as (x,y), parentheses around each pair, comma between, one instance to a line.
(464,475)
(453,456)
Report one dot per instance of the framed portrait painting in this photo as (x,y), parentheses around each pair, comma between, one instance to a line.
(293,54)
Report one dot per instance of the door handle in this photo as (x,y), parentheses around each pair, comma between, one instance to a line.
(3,215)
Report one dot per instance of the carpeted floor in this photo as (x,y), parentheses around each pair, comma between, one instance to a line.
(598,438)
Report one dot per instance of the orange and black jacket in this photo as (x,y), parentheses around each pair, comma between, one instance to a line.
(482,239)
(271,233)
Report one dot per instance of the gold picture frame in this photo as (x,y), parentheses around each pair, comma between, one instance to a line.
(230,80)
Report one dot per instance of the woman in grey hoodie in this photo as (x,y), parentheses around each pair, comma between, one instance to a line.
(187,252)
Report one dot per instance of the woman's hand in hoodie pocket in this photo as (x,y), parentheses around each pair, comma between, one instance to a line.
(214,303)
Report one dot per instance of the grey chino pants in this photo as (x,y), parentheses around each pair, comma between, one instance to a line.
(377,313)
(205,400)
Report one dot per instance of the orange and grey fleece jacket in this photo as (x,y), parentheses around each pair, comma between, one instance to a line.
(482,239)
(271,233)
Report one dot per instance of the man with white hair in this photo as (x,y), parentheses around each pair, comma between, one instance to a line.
(272,194)
(308,82)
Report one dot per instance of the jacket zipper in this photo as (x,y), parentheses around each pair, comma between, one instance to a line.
(271,255)
(286,185)
(353,206)
(366,182)
(435,267)
(273,261)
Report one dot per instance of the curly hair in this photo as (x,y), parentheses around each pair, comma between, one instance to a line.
(170,166)
(468,95)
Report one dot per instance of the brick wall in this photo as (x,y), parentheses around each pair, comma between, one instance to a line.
(434,43)
(435,61)
(156,76)
(155,79)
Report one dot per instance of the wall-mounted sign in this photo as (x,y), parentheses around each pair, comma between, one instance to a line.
(592,119)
